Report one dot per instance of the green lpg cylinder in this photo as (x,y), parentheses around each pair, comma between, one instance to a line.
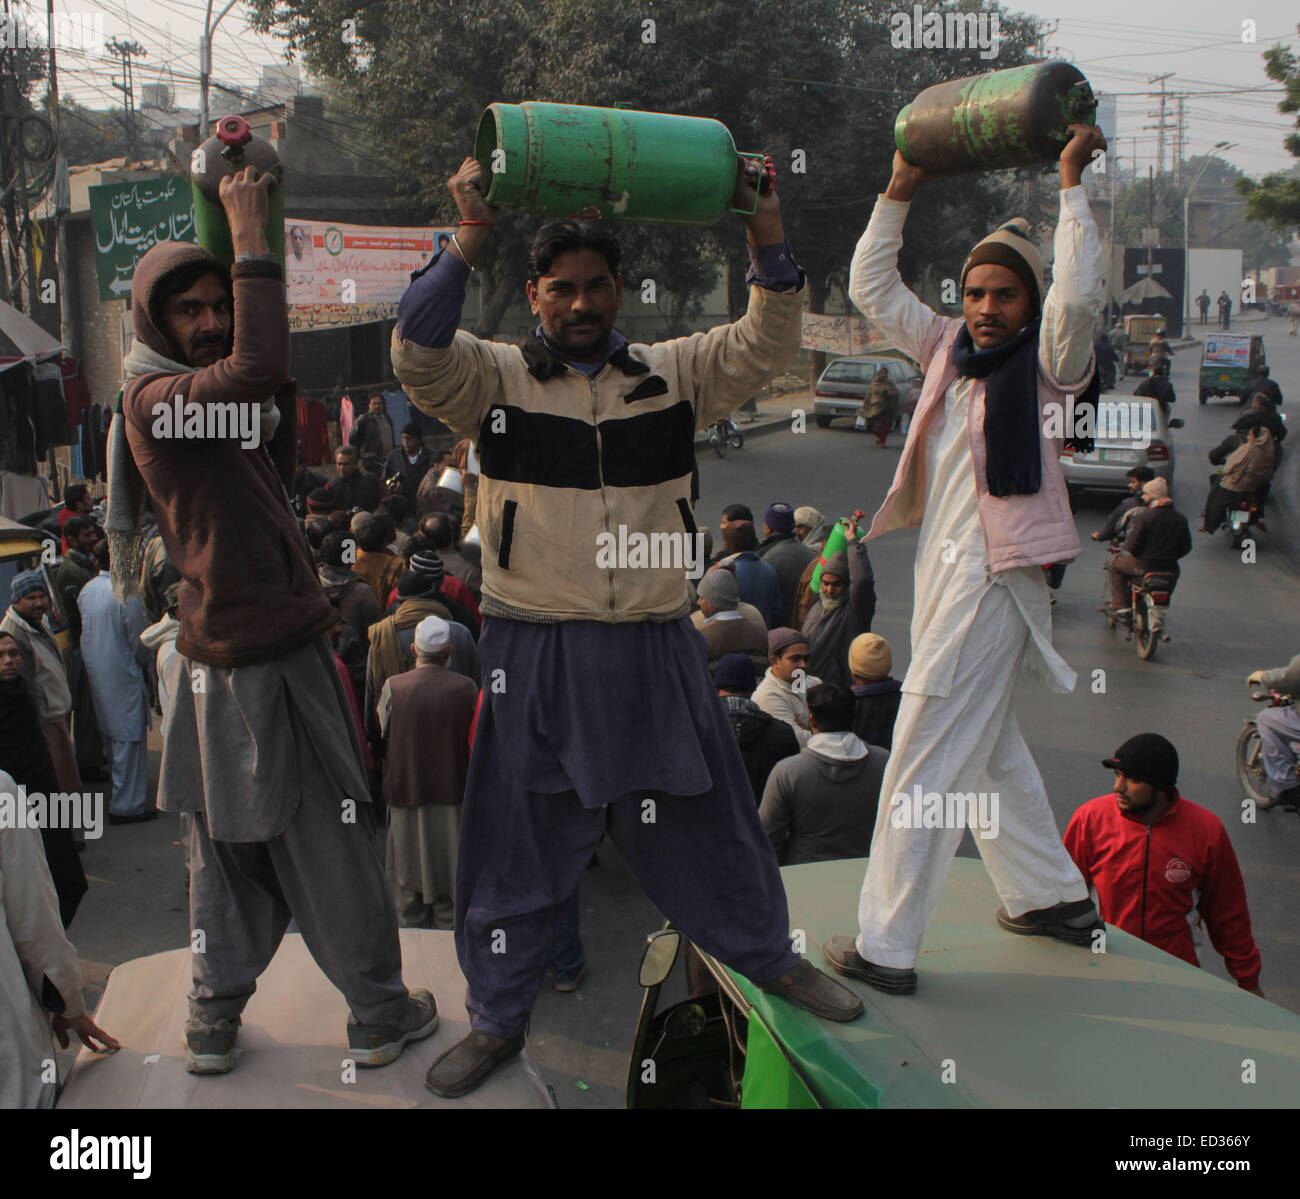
(623,164)
(228,151)
(837,542)
(1012,118)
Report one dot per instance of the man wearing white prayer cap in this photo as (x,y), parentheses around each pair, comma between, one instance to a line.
(425,716)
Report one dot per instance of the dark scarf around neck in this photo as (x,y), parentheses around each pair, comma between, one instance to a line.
(1011,416)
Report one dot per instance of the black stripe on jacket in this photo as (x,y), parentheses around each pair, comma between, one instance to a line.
(560,451)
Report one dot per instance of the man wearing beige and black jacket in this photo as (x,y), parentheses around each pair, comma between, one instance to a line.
(597,711)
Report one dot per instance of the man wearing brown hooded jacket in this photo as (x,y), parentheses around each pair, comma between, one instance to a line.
(260,746)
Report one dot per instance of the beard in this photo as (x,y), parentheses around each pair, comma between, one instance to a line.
(830,605)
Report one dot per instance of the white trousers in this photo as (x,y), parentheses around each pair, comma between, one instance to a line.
(969,741)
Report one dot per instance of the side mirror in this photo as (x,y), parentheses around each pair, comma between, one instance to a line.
(660,956)
(1177,423)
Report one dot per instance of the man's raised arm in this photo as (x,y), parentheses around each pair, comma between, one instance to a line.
(1074,299)
(727,365)
(875,286)
(450,375)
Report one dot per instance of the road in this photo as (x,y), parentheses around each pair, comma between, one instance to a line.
(1227,618)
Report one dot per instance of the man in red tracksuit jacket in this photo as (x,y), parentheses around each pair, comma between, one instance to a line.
(1153,856)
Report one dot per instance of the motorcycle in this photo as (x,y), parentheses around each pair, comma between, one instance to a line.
(1148,608)
(1250,752)
(1244,514)
(724,433)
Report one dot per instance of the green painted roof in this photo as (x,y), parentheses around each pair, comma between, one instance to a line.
(1028,1021)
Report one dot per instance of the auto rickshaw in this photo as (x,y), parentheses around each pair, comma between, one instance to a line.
(1140,328)
(1228,361)
(998,1020)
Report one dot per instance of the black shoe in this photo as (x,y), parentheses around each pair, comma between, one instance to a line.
(136,818)
(807,987)
(1074,923)
(469,1062)
(842,956)
(1288,799)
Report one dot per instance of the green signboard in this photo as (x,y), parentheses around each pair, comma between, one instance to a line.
(129,218)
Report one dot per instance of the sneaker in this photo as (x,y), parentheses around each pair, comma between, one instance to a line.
(379,1044)
(210,1048)
(468,1063)
(567,985)
(1074,923)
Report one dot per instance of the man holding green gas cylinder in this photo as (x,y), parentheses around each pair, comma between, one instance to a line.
(597,712)
(981,476)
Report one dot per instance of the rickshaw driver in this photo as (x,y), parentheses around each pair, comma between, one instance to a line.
(981,476)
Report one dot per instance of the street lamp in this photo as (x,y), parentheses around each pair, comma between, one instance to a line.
(205,64)
(1187,232)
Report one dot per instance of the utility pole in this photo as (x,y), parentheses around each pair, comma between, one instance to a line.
(68,323)
(1160,140)
(126,51)
(1182,138)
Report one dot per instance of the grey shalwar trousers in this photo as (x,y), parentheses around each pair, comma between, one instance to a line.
(269,754)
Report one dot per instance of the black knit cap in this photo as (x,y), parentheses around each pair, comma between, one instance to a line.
(1147,758)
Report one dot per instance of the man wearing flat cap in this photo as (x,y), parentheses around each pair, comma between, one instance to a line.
(980,475)
(1155,857)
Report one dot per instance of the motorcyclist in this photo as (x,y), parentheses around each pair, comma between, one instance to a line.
(1157,386)
(1262,383)
(1106,361)
(1157,537)
(1120,515)
(1278,728)
(1248,469)
(1159,352)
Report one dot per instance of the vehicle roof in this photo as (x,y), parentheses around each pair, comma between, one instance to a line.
(18,540)
(1026,1021)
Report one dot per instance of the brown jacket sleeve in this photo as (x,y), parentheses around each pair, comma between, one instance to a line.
(256,368)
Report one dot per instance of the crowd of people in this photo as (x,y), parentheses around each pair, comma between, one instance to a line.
(434,654)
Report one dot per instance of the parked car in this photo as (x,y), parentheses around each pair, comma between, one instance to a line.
(1121,445)
(1228,360)
(845,382)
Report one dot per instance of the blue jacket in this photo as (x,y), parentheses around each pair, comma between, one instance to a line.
(759,585)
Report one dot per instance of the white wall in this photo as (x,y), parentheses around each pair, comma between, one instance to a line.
(1215,271)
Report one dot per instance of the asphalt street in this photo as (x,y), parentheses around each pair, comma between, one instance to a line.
(1227,618)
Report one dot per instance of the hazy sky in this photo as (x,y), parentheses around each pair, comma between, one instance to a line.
(1118,44)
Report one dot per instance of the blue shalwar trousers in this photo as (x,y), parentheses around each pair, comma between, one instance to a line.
(589,728)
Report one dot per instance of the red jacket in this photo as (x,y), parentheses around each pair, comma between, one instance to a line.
(1149,879)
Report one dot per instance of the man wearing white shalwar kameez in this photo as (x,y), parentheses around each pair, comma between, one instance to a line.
(982,611)
(40,976)
(118,687)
